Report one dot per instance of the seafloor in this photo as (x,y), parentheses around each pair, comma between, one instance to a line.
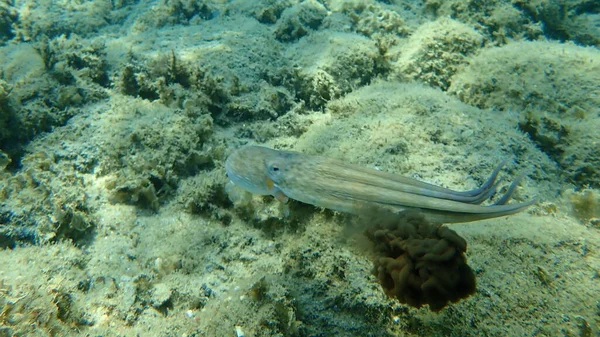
(116,117)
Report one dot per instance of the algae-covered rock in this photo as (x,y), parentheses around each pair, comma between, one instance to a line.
(4,160)
(204,192)
(8,15)
(410,129)
(7,121)
(374,20)
(45,202)
(235,77)
(117,119)
(554,87)
(434,52)
(176,12)
(265,11)
(49,300)
(329,65)
(39,19)
(498,20)
(502,20)
(45,84)
(299,20)
(585,204)
(144,156)
(86,60)
(21,79)
(139,150)
(574,20)
(172,82)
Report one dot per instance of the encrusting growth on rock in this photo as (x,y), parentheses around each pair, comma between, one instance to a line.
(419,262)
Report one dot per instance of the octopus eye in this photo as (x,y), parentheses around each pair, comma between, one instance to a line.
(274,171)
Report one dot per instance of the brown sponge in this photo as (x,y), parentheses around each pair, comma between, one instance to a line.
(419,262)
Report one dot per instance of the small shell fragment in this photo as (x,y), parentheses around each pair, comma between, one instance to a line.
(238,331)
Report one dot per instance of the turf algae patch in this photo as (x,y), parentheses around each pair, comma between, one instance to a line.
(171,81)
(45,202)
(49,303)
(585,205)
(85,59)
(8,135)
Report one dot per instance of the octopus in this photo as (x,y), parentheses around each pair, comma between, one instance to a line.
(341,186)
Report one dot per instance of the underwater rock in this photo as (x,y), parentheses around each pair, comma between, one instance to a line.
(4,160)
(552,86)
(419,262)
(435,52)
(299,20)
(8,16)
(344,62)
